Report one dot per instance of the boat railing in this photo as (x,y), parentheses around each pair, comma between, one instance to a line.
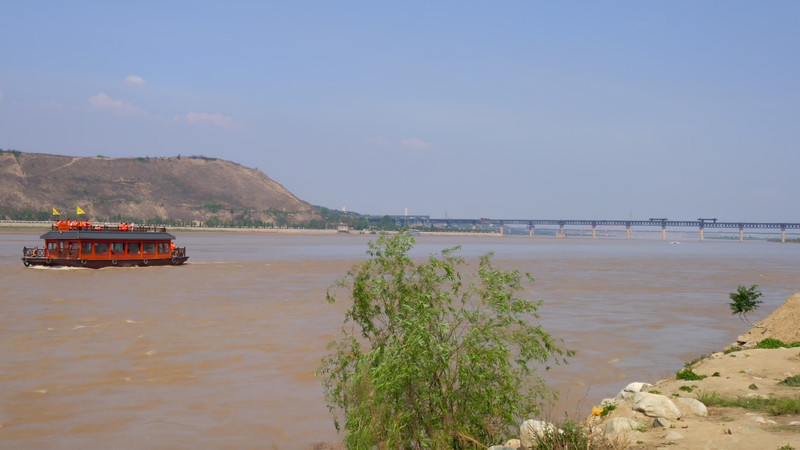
(179,252)
(78,226)
(32,252)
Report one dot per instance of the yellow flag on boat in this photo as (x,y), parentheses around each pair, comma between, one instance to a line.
(80,211)
(55,212)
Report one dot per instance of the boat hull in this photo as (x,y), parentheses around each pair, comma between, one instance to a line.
(101,263)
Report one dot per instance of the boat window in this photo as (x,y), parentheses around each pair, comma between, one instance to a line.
(133,248)
(117,248)
(149,248)
(86,248)
(163,247)
(101,248)
(52,246)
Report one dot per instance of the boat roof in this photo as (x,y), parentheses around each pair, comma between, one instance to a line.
(109,235)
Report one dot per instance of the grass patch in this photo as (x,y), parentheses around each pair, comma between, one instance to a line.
(571,434)
(688,375)
(771,343)
(773,406)
(607,408)
(695,361)
(791,381)
(776,343)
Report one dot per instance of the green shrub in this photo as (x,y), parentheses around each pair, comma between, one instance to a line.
(688,375)
(745,300)
(791,381)
(429,358)
(568,435)
(607,408)
(770,343)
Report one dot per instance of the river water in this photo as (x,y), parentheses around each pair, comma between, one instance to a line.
(220,352)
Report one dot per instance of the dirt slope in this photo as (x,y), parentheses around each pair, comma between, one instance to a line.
(185,188)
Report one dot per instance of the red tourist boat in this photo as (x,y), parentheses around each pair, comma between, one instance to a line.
(80,244)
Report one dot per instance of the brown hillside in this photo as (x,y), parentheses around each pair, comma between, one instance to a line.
(185,188)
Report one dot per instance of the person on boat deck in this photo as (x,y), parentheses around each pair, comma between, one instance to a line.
(171,248)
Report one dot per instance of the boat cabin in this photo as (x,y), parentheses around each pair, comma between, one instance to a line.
(79,244)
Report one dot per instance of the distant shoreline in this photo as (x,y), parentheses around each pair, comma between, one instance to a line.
(10,225)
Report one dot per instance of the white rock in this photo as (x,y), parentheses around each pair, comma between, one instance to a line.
(655,405)
(532,429)
(696,406)
(673,436)
(620,425)
(756,396)
(630,390)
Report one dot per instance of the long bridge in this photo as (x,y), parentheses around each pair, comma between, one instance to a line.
(484,223)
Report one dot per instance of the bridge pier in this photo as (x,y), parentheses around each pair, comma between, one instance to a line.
(701,233)
(561,233)
(783,233)
(741,233)
(627,232)
(501,230)
(530,231)
(594,231)
(663,232)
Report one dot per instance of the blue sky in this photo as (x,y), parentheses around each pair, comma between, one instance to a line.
(547,110)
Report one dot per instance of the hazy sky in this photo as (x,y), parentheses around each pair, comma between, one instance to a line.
(463,109)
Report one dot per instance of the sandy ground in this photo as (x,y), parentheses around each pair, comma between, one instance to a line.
(736,374)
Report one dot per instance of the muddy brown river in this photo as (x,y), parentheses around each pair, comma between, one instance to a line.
(221,352)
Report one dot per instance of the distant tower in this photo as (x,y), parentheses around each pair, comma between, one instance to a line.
(406,211)
(344,208)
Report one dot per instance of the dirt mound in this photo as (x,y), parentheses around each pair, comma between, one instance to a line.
(782,325)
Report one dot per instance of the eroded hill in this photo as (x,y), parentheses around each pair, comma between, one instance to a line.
(174,188)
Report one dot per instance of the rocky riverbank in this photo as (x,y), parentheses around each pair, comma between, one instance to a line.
(671,413)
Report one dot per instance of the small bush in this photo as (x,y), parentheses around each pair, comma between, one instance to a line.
(686,388)
(607,408)
(791,381)
(688,375)
(753,387)
(569,435)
